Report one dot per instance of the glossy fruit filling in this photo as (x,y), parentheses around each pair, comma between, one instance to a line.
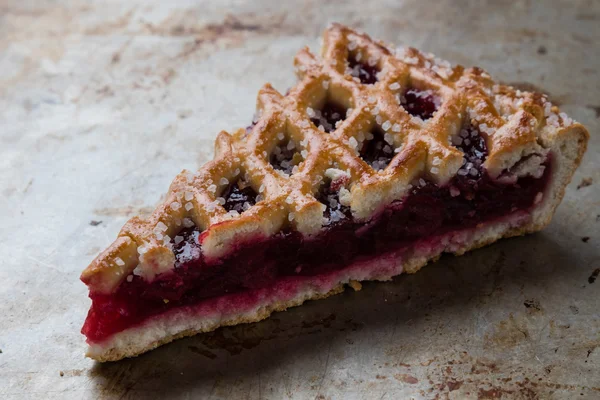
(375,151)
(328,117)
(366,73)
(285,157)
(239,196)
(420,103)
(428,211)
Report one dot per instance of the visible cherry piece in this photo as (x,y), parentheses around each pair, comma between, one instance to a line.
(375,151)
(366,73)
(329,116)
(285,157)
(420,103)
(239,196)
(473,145)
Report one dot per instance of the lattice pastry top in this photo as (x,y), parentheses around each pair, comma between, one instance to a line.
(317,132)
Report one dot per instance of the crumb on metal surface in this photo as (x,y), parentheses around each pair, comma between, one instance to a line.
(585,182)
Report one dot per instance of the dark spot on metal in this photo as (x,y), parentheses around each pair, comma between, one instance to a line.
(585,239)
(326,322)
(587,17)
(596,109)
(594,275)
(542,50)
(574,309)
(178,30)
(203,352)
(531,303)
(95,223)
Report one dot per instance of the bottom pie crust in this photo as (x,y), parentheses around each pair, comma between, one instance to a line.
(257,305)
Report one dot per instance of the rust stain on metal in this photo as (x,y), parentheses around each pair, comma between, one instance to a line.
(111,26)
(231,32)
(411,380)
(507,333)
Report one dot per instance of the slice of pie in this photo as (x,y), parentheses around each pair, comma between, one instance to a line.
(378,161)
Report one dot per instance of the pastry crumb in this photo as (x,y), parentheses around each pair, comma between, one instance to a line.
(356,285)
(585,182)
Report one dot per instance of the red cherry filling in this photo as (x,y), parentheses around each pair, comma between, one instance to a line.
(375,151)
(420,103)
(328,116)
(239,196)
(365,72)
(428,211)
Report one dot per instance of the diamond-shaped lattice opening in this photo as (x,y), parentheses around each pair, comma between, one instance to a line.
(286,156)
(420,103)
(335,196)
(474,148)
(365,70)
(185,244)
(329,116)
(239,196)
(375,150)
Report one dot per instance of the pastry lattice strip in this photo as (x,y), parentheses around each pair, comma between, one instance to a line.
(508,121)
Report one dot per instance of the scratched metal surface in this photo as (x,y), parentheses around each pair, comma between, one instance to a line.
(102,104)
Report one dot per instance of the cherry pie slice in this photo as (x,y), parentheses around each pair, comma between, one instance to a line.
(378,161)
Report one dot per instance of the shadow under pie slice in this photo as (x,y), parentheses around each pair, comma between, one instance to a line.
(375,163)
